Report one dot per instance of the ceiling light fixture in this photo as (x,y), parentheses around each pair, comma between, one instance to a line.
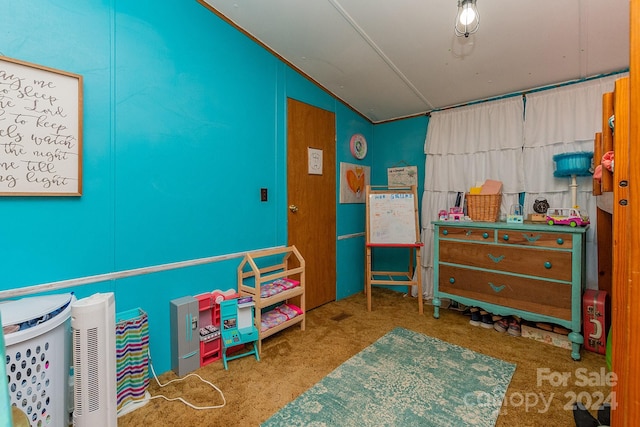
(467,19)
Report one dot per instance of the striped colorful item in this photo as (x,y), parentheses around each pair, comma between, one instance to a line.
(132,357)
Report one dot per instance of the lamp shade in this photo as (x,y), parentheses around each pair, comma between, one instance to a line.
(577,163)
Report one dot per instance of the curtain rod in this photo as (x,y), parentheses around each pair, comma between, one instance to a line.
(524,93)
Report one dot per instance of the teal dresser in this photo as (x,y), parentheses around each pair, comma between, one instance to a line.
(535,271)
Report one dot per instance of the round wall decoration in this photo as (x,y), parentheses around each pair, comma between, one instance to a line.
(358,146)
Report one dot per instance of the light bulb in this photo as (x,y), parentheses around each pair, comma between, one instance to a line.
(467,16)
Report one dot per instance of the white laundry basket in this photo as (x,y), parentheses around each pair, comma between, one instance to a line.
(38,349)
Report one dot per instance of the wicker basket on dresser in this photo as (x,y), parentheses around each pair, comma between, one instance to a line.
(535,271)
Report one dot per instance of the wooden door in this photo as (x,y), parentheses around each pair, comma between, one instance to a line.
(312,198)
(625,316)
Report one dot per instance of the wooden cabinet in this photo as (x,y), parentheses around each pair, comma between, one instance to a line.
(535,271)
(259,275)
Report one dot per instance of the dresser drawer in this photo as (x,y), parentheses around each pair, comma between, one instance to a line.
(533,295)
(513,259)
(464,233)
(535,238)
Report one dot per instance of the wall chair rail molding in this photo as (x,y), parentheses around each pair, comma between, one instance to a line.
(40,130)
(63,284)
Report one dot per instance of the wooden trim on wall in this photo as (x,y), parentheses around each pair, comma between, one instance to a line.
(626,268)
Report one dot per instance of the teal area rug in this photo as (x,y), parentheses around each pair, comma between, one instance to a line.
(404,379)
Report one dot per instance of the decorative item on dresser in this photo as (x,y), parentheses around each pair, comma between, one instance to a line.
(535,271)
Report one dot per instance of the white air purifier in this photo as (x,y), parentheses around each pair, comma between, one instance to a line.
(94,361)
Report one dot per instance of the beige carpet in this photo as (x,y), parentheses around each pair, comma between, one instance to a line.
(292,361)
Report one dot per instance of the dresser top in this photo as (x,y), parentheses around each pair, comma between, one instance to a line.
(542,226)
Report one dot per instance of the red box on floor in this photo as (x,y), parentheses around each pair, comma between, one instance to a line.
(595,321)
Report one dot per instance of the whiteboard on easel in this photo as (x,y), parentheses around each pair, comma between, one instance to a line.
(392,217)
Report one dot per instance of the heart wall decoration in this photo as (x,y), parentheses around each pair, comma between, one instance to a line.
(353,181)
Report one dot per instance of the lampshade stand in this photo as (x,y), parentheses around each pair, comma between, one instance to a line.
(574,190)
(573,165)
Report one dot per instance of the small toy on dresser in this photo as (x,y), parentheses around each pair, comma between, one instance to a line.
(455,213)
(566,216)
(516,214)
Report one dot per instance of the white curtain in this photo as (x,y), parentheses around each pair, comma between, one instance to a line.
(466,146)
(564,120)
(498,140)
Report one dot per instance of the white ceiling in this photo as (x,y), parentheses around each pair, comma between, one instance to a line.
(389,59)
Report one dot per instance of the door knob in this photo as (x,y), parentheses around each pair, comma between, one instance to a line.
(293,208)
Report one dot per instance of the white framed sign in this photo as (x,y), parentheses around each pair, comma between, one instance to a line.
(40,130)
(404,176)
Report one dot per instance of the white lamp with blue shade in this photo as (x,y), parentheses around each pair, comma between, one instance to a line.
(573,165)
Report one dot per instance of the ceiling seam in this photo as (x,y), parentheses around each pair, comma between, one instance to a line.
(379,51)
(583,27)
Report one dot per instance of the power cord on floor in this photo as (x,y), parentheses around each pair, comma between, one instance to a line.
(224,401)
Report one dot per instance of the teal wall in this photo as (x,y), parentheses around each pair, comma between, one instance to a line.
(184,120)
(398,143)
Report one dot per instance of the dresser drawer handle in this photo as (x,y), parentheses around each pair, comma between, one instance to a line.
(560,241)
(467,233)
(445,232)
(505,237)
(452,280)
(496,259)
(531,239)
(547,265)
(485,235)
(496,288)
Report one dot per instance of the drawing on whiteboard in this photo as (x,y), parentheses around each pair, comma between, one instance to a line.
(392,218)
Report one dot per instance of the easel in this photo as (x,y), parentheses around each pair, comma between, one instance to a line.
(392,222)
